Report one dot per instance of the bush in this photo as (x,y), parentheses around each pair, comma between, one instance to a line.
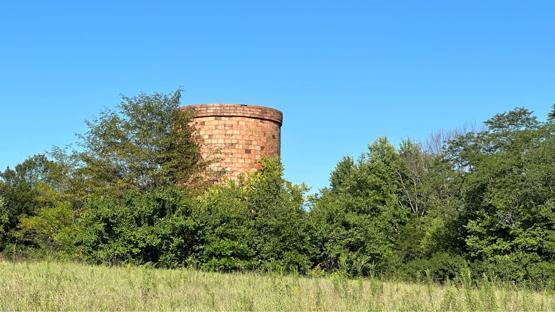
(225,231)
(154,227)
(4,220)
(518,268)
(51,230)
(542,275)
(440,267)
(259,225)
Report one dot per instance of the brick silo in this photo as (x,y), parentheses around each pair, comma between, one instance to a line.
(236,136)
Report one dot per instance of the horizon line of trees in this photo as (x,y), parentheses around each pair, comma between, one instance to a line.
(479,202)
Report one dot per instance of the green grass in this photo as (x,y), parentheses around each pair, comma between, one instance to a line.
(69,286)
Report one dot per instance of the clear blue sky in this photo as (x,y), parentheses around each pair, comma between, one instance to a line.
(343,72)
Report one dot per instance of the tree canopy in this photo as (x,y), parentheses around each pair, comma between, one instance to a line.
(137,191)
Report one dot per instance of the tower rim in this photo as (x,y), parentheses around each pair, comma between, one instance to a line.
(235,110)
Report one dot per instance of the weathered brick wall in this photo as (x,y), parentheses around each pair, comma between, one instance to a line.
(236,136)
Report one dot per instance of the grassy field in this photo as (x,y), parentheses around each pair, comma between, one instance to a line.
(66,286)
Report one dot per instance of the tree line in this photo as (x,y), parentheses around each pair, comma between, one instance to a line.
(136,190)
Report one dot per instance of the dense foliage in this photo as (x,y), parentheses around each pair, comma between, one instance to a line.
(466,204)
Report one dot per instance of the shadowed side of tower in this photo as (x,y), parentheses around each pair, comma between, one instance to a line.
(236,136)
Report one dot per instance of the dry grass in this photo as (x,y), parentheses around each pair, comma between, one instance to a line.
(67,286)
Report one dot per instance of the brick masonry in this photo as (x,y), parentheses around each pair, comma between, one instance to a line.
(236,136)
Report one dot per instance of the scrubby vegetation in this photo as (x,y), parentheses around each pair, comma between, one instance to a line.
(72,287)
(467,205)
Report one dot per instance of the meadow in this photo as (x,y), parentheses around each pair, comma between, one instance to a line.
(70,286)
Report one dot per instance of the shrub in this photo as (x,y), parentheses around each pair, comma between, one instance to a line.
(154,227)
(518,268)
(440,267)
(260,224)
(225,230)
(51,230)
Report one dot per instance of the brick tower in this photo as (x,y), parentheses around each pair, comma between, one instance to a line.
(236,136)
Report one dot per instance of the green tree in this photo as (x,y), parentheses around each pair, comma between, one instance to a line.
(4,219)
(226,230)
(138,227)
(413,176)
(26,189)
(50,230)
(427,189)
(147,143)
(258,224)
(508,176)
(358,220)
(282,238)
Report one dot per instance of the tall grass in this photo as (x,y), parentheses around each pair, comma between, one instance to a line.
(68,286)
